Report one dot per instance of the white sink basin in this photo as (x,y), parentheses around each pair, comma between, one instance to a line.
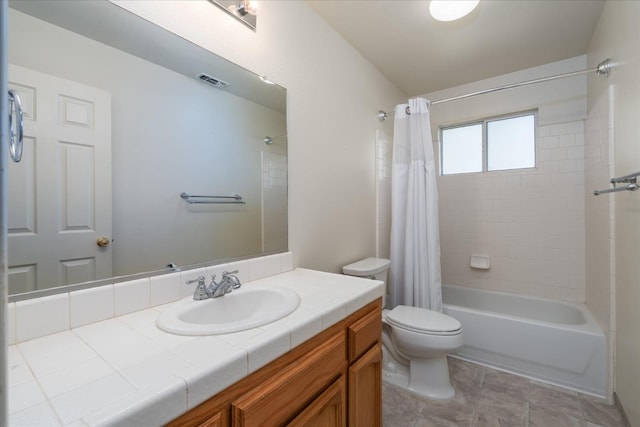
(244,308)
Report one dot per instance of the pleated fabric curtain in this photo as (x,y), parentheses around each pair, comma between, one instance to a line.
(415,277)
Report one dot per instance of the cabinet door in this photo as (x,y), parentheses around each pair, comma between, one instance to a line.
(214,421)
(280,399)
(327,410)
(365,389)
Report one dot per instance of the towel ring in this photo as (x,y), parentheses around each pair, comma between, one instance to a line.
(16,129)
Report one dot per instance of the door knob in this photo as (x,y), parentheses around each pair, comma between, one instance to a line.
(102,242)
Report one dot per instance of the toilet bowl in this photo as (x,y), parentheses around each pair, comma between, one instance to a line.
(415,341)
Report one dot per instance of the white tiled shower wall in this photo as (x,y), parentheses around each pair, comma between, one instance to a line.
(38,317)
(600,283)
(599,212)
(529,221)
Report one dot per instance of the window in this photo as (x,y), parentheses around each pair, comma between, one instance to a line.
(489,145)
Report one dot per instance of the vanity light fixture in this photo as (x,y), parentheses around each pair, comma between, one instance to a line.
(450,10)
(245,11)
(244,7)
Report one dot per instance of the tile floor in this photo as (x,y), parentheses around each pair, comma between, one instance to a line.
(486,398)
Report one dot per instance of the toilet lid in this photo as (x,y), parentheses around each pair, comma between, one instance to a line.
(423,320)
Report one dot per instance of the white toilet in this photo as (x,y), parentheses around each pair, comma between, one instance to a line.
(415,340)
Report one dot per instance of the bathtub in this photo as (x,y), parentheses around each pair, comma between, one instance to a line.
(550,341)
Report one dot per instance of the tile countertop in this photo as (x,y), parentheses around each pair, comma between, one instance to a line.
(125,371)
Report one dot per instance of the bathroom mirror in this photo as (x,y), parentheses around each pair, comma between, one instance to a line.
(121,118)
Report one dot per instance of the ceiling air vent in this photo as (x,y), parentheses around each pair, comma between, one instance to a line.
(212,80)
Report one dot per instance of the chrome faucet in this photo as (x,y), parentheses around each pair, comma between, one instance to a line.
(201,292)
(228,283)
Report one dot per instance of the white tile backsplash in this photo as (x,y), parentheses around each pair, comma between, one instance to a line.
(131,296)
(91,305)
(41,316)
(286,260)
(218,270)
(164,289)
(47,315)
(243,269)
(257,268)
(272,265)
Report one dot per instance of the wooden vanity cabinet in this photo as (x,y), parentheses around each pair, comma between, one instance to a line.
(332,380)
(365,371)
(365,389)
(327,410)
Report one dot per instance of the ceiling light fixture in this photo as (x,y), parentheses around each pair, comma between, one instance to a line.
(450,10)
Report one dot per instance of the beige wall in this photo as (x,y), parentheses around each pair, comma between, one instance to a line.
(333,96)
(618,37)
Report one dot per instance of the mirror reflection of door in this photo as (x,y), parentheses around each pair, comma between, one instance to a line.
(66,170)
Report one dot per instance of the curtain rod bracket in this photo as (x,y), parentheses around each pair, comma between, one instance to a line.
(604,67)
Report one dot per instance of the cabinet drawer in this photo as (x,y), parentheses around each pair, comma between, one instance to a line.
(283,397)
(364,333)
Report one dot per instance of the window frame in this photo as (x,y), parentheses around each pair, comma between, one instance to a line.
(485,151)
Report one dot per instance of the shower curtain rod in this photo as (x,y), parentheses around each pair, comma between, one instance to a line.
(602,70)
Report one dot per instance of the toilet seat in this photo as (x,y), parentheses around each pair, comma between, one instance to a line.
(423,321)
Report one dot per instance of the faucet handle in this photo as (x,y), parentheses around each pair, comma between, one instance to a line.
(228,273)
(231,277)
(200,280)
(200,292)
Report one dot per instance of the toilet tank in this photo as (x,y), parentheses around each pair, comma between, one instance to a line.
(371,268)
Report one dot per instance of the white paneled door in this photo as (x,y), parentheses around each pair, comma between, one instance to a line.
(59,195)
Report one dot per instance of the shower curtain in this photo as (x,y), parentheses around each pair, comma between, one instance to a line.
(415,237)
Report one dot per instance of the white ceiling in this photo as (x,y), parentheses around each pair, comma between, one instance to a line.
(420,55)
